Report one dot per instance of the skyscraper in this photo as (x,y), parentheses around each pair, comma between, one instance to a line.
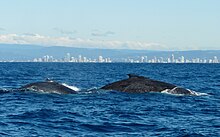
(215,60)
(173,58)
(100,59)
(182,59)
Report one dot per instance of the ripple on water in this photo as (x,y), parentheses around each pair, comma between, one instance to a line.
(102,113)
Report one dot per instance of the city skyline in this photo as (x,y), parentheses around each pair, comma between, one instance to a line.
(142,59)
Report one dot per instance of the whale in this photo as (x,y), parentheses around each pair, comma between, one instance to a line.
(48,86)
(140,84)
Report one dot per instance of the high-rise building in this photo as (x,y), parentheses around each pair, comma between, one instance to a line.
(182,59)
(146,60)
(168,60)
(161,60)
(215,60)
(100,59)
(80,58)
(46,58)
(84,59)
(142,59)
(155,59)
(68,57)
(173,58)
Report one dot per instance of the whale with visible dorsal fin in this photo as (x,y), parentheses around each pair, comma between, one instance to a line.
(48,86)
(141,84)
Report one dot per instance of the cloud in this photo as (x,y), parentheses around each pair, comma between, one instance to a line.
(29,34)
(65,32)
(37,39)
(102,34)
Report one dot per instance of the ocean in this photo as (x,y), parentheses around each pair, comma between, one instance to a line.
(109,113)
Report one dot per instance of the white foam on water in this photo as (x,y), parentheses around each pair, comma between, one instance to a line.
(166,92)
(71,87)
(199,93)
(3,90)
(47,92)
(194,93)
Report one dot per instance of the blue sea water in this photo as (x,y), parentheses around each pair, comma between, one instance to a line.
(109,113)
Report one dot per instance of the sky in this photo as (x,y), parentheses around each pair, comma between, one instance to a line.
(112,24)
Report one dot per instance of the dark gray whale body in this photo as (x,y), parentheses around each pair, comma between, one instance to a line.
(48,86)
(140,84)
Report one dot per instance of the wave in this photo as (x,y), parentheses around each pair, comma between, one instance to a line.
(4,90)
(96,90)
(71,87)
(38,113)
(193,93)
(200,94)
(93,90)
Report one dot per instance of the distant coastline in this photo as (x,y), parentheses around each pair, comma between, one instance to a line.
(36,53)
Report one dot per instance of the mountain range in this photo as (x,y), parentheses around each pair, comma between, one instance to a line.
(29,52)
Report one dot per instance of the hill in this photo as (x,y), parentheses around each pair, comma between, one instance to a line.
(29,52)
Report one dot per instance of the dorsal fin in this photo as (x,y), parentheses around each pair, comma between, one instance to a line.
(133,75)
(48,80)
(136,76)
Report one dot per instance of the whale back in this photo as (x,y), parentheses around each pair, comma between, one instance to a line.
(138,84)
(49,87)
